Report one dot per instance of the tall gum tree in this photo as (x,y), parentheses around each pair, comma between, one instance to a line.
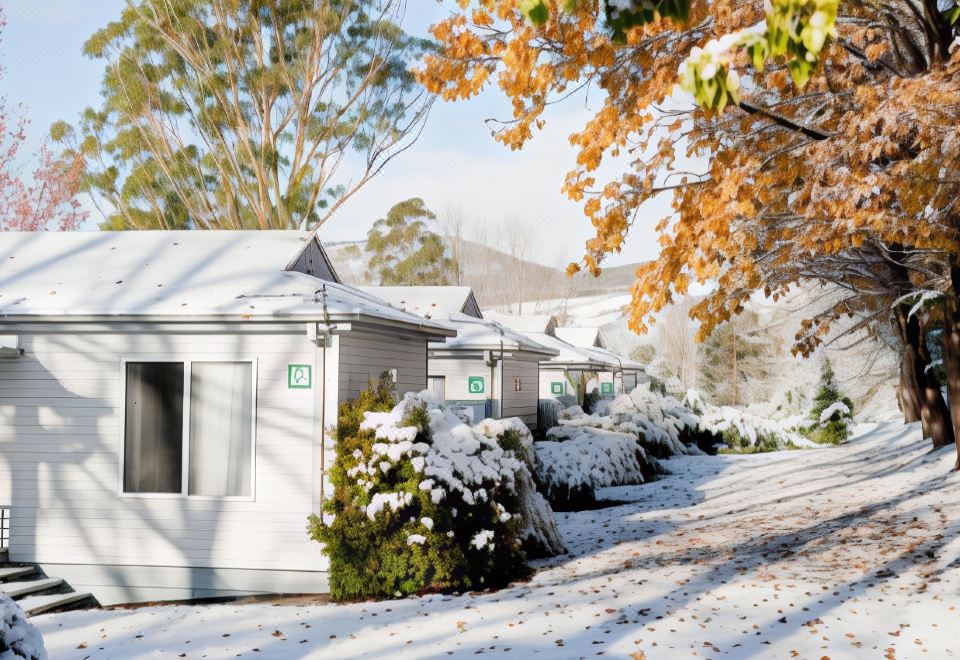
(820,126)
(229,114)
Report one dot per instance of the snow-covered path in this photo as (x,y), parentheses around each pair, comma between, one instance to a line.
(844,552)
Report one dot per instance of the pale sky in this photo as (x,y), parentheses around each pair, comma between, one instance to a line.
(456,162)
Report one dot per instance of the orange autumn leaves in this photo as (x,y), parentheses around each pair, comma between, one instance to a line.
(759,204)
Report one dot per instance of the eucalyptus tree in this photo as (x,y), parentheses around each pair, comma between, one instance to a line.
(226,114)
(406,250)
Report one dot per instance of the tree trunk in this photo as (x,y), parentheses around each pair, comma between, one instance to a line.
(908,389)
(736,377)
(951,355)
(934,416)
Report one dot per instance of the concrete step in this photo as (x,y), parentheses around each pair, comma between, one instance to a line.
(17,589)
(10,572)
(33,605)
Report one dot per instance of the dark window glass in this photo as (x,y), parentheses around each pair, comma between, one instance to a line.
(153,428)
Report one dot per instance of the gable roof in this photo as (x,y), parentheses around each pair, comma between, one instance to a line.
(543,324)
(481,334)
(582,336)
(625,364)
(176,275)
(447,304)
(568,356)
(429,301)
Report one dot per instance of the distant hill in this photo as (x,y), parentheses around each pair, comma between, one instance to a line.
(612,279)
(492,273)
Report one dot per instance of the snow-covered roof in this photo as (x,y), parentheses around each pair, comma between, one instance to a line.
(176,275)
(447,304)
(429,301)
(568,355)
(483,334)
(612,358)
(587,337)
(526,323)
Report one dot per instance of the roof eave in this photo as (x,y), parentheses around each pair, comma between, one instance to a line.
(193,319)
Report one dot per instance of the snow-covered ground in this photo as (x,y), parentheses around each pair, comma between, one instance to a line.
(841,552)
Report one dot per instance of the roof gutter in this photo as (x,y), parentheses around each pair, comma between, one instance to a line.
(319,317)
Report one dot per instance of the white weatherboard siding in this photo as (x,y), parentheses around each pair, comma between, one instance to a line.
(498,383)
(365,356)
(61,424)
(549,376)
(457,370)
(522,404)
(598,378)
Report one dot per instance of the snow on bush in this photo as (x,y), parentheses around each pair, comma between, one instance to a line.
(665,426)
(743,430)
(423,501)
(839,408)
(19,639)
(575,461)
(661,424)
(540,536)
(832,414)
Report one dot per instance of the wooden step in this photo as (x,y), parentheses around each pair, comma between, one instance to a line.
(33,605)
(17,589)
(10,572)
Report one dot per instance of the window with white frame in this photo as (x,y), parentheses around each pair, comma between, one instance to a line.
(189,428)
(438,387)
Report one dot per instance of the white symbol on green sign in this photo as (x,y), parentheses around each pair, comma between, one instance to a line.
(475,384)
(299,376)
(556,388)
(606,388)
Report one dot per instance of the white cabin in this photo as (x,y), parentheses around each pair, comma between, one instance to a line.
(165,401)
(581,355)
(488,368)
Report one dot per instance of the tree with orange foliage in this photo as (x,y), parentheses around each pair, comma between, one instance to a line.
(825,132)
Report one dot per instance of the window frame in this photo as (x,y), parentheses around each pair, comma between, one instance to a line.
(430,385)
(187,360)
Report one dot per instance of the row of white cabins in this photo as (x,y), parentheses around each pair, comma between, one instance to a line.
(166,400)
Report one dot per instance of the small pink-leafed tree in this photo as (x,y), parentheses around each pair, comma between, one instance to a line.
(45,198)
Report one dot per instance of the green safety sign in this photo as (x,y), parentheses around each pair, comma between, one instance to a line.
(476,384)
(557,388)
(606,388)
(299,376)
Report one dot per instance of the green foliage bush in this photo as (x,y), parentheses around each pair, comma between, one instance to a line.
(741,444)
(428,542)
(836,428)
(590,400)
(658,386)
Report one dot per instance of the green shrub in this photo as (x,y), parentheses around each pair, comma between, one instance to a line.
(832,412)
(393,528)
(590,400)
(741,444)
(658,386)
